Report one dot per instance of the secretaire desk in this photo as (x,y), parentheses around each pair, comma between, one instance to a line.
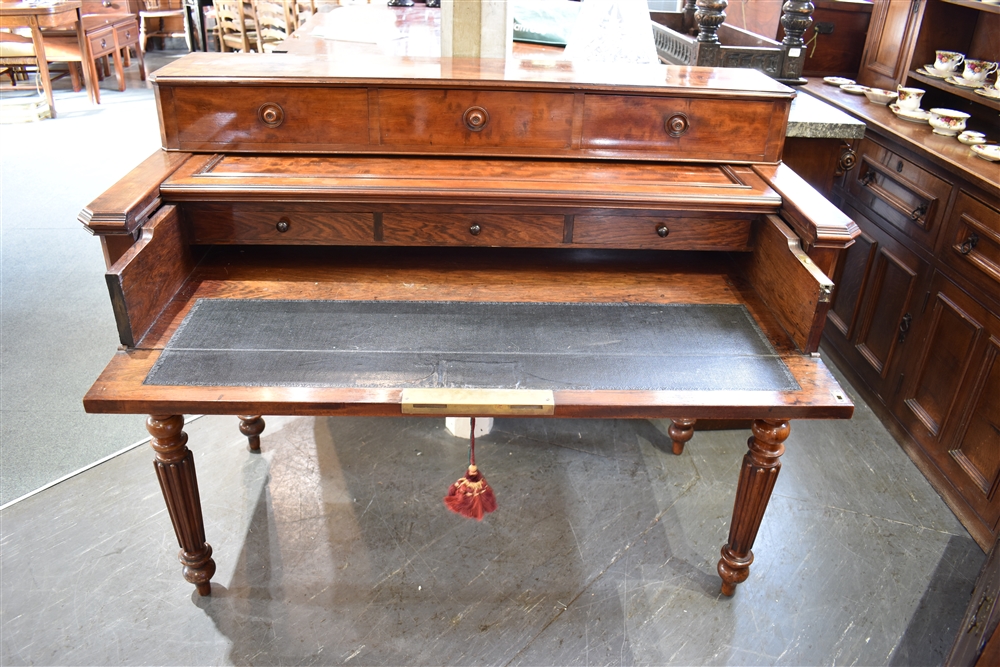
(387,236)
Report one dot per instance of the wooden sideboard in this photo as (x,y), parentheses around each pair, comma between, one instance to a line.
(394,187)
(916,316)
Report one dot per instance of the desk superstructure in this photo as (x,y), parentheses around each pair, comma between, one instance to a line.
(292,194)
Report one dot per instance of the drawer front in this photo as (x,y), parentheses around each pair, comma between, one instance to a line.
(464,119)
(974,242)
(469,229)
(264,118)
(108,7)
(278,225)
(684,128)
(127,33)
(906,195)
(102,42)
(620,231)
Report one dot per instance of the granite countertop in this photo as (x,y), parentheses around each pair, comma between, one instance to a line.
(815,119)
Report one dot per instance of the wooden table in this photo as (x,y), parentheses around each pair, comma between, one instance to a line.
(320,183)
(54,15)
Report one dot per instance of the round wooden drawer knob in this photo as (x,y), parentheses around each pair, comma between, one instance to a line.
(476,118)
(282,225)
(662,231)
(271,114)
(677,124)
(475,230)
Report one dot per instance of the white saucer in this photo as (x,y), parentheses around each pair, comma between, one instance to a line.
(991,93)
(837,80)
(929,70)
(854,89)
(912,115)
(989,152)
(964,83)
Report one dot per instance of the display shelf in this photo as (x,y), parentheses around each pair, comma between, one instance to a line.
(958,91)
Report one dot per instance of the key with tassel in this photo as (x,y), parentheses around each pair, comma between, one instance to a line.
(471,496)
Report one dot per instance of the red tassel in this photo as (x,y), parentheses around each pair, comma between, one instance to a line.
(471,496)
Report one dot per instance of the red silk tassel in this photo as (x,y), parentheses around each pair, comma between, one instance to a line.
(471,496)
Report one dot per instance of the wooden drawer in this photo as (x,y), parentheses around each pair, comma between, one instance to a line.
(909,197)
(264,117)
(974,242)
(684,128)
(474,118)
(102,41)
(487,229)
(109,7)
(127,32)
(279,224)
(667,233)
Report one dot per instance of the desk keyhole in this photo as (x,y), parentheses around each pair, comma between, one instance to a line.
(899,167)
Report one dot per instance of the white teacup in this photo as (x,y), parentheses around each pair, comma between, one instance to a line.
(947,61)
(909,98)
(978,70)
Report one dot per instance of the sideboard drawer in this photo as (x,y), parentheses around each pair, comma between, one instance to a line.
(475,118)
(259,117)
(668,127)
(906,195)
(974,242)
(487,229)
(626,231)
(127,32)
(102,42)
(109,7)
(278,224)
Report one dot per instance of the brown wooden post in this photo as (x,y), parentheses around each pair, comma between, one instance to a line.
(174,465)
(757,477)
(252,426)
(680,432)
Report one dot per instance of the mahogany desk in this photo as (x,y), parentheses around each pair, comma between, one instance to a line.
(322,184)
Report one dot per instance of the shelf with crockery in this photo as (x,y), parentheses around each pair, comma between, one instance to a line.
(981,5)
(983,92)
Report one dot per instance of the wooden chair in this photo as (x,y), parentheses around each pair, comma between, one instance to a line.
(237,26)
(273,18)
(154,21)
(300,11)
(19,51)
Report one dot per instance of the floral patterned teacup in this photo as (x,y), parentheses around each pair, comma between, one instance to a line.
(947,61)
(977,70)
(909,98)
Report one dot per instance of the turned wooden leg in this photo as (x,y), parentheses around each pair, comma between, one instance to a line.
(680,432)
(757,476)
(174,465)
(252,426)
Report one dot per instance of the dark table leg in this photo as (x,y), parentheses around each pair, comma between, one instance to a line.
(196,24)
(174,465)
(252,426)
(757,477)
(680,432)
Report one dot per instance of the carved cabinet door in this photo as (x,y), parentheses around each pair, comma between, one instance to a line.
(873,309)
(890,42)
(950,402)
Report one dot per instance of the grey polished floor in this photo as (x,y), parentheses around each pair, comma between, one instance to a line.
(334,546)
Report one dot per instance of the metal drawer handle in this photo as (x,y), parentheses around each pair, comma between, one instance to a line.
(676,125)
(128,34)
(868,178)
(918,212)
(969,243)
(103,42)
(904,327)
(282,225)
(662,231)
(106,3)
(476,118)
(475,230)
(271,114)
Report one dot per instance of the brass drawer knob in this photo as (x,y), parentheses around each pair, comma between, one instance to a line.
(676,125)
(271,114)
(476,118)
(475,230)
(662,231)
(282,225)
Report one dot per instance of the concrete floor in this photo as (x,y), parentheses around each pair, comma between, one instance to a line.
(333,545)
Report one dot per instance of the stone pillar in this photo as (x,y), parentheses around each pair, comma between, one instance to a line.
(476,29)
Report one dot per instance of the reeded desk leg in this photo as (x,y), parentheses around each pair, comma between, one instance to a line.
(757,477)
(174,465)
(680,432)
(252,426)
